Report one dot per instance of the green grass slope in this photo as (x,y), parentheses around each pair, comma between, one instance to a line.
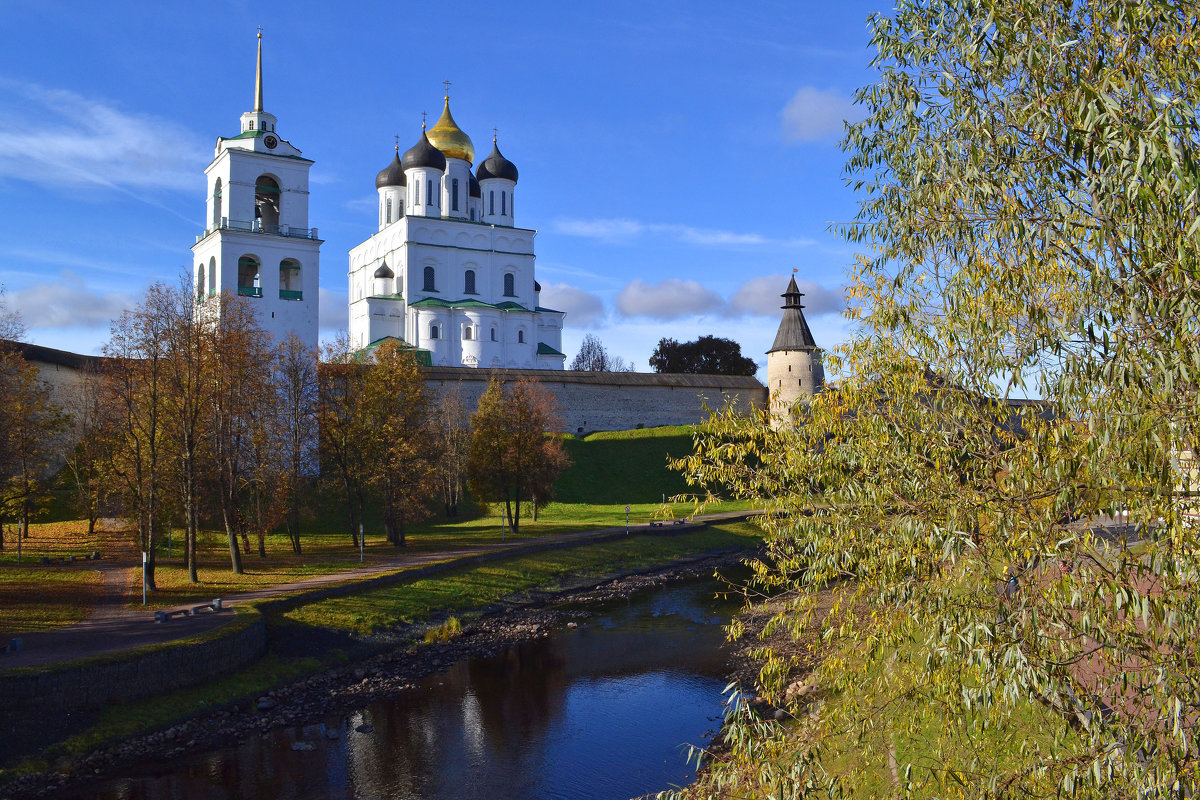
(624,467)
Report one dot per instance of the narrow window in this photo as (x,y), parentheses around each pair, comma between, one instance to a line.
(433,331)
(200,282)
(491,201)
(508,285)
(503,201)
(454,194)
(416,193)
(429,275)
(493,334)
(469,282)
(217,212)
(251,124)
(467,333)
(521,337)
(429,192)
(389,209)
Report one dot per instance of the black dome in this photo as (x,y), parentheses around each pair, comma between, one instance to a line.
(424,154)
(384,271)
(497,166)
(475,191)
(392,174)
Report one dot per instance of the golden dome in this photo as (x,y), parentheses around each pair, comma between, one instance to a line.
(450,139)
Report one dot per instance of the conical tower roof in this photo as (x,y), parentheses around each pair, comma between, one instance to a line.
(793,328)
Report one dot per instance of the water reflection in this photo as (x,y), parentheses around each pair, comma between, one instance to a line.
(595,712)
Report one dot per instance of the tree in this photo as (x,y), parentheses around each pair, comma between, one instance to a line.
(134,410)
(241,399)
(340,425)
(1029,198)
(511,457)
(708,355)
(453,446)
(296,387)
(398,438)
(593,356)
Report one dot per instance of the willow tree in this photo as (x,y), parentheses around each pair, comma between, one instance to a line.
(1028,177)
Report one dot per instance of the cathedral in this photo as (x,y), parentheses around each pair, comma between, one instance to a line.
(448,273)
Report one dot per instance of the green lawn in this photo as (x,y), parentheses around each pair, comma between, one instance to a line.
(474,587)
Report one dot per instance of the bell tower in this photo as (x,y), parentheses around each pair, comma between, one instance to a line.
(257,242)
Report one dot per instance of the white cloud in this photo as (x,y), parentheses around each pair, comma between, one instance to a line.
(67,303)
(333,310)
(584,309)
(60,139)
(671,299)
(812,115)
(761,296)
(617,230)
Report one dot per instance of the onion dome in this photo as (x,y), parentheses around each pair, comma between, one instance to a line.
(497,166)
(384,271)
(450,139)
(392,174)
(423,154)
(474,186)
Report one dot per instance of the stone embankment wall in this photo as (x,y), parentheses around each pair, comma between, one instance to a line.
(587,401)
(128,675)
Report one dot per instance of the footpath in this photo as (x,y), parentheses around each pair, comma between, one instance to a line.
(113,626)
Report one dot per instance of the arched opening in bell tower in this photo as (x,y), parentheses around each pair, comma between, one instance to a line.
(266,204)
(249,277)
(218,206)
(289,280)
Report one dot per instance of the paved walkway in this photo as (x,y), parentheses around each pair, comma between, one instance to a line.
(113,626)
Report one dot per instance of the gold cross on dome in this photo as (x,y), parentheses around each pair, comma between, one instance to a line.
(447,85)
(495,133)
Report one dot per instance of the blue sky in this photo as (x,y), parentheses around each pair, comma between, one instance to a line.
(678,159)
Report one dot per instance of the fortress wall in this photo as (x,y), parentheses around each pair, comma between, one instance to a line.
(591,401)
(602,401)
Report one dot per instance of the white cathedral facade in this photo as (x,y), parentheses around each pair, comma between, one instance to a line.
(448,273)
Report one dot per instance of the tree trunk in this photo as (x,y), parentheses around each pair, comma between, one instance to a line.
(190,547)
(262,534)
(402,543)
(235,555)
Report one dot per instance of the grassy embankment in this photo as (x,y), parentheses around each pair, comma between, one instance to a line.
(609,471)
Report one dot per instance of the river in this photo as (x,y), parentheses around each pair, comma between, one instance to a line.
(602,710)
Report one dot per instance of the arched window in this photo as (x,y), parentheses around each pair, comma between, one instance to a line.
(491,201)
(389,210)
(454,194)
(266,203)
(509,282)
(521,337)
(469,282)
(503,202)
(429,283)
(249,278)
(289,280)
(433,331)
(212,275)
(493,333)
(217,204)
(251,124)
(467,332)
(416,193)
(200,282)
(429,198)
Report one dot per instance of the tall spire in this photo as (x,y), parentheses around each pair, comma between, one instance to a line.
(258,104)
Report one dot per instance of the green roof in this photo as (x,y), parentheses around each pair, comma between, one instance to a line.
(551,310)
(437,302)
(246,135)
(424,357)
(546,350)
(396,296)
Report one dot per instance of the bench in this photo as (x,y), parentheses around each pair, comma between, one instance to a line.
(679,521)
(656,524)
(212,605)
(164,616)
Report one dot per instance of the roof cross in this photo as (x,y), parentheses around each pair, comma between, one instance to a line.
(447,85)
(423,115)
(495,132)
(397,143)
